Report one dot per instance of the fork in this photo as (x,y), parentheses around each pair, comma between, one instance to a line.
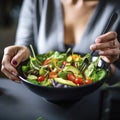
(111,22)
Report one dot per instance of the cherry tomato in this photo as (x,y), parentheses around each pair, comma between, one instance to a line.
(52,74)
(70,77)
(78,80)
(41,78)
(64,63)
(88,81)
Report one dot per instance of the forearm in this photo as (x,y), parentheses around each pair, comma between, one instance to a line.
(114,75)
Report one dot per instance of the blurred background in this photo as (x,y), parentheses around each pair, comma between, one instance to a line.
(9,14)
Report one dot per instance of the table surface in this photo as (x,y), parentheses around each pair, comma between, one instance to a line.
(19,103)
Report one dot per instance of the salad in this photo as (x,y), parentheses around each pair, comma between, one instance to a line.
(56,69)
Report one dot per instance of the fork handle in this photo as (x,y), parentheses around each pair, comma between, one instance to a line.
(111,22)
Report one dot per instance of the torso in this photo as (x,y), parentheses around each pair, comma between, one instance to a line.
(76,16)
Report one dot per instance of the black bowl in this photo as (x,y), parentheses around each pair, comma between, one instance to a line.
(65,94)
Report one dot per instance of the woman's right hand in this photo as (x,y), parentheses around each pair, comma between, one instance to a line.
(13,56)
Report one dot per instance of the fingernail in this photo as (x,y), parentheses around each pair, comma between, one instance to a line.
(15,74)
(14,62)
(93,47)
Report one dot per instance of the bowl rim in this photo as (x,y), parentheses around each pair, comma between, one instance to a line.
(68,88)
(75,87)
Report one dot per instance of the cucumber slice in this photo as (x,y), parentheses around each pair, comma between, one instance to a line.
(32,77)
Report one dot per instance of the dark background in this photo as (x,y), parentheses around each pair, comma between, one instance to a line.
(9,14)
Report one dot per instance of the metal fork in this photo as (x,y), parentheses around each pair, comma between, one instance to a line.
(111,21)
(84,65)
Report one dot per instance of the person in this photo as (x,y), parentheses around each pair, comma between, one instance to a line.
(60,24)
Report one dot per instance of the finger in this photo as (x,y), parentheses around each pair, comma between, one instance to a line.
(99,46)
(6,57)
(6,65)
(8,69)
(21,55)
(9,51)
(107,59)
(106,37)
(10,75)
(110,52)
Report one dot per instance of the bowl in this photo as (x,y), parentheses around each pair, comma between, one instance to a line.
(69,94)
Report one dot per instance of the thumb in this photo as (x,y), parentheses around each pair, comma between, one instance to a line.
(18,58)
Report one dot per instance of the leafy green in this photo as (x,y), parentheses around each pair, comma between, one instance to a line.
(55,65)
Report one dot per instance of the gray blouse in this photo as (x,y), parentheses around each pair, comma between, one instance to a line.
(41,24)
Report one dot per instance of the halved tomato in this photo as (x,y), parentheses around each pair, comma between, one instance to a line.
(70,77)
(79,81)
(88,81)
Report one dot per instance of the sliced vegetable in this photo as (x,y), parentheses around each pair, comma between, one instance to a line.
(52,74)
(88,81)
(79,81)
(32,77)
(71,77)
(65,82)
(42,71)
(71,69)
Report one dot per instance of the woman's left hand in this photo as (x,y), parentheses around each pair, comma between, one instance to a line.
(108,47)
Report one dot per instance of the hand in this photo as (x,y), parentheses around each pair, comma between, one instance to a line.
(108,47)
(13,56)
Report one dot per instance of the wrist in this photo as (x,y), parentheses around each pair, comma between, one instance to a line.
(112,69)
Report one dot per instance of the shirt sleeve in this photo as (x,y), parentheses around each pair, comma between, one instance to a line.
(116,76)
(24,33)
